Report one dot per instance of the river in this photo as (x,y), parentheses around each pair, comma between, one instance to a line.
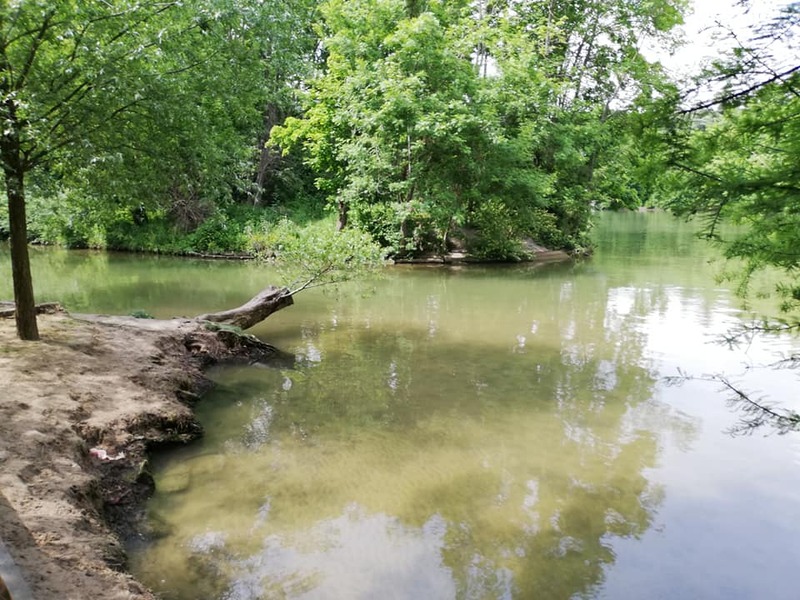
(470,432)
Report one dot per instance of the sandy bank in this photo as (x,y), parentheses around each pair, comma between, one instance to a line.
(85,386)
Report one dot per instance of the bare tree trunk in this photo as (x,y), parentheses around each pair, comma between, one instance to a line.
(255,310)
(25,313)
(264,165)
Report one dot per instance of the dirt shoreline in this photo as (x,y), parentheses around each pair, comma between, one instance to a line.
(87,385)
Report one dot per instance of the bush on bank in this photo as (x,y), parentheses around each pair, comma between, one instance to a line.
(494,232)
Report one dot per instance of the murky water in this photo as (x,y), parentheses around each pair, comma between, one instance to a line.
(477,432)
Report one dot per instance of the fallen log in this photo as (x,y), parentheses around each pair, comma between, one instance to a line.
(211,337)
(255,310)
(218,336)
(8,309)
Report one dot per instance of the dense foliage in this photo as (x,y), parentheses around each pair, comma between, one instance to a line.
(733,159)
(113,110)
(424,122)
(431,121)
(430,125)
(126,112)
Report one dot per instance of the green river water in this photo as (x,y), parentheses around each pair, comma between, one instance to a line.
(472,433)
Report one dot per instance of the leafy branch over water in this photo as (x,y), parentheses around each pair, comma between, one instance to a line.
(745,332)
(316,256)
(755,411)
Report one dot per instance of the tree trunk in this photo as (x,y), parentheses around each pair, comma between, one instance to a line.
(255,310)
(25,313)
(341,218)
(206,336)
(268,158)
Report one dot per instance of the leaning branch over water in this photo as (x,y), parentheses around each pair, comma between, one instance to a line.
(268,301)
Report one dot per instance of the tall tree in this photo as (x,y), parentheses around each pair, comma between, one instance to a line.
(434,114)
(137,96)
(66,72)
(390,126)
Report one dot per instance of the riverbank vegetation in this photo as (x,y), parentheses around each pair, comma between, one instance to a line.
(329,134)
(482,127)
(182,127)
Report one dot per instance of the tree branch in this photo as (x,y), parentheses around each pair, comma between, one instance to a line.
(35,44)
(35,158)
(739,94)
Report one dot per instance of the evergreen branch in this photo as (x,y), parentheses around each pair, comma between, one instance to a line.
(746,332)
(703,174)
(740,93)
(757,59)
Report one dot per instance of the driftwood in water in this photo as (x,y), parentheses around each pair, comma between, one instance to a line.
(255,310)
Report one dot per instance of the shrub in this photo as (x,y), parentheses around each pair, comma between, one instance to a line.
(497,232)
(316,254)
(218,234)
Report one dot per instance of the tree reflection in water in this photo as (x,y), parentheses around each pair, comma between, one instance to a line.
(473,453)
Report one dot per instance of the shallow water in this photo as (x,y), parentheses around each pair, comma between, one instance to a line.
(482,432)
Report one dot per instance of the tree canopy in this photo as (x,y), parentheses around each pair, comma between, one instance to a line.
(428,117)
(429,126)
(126,103)
(733,157)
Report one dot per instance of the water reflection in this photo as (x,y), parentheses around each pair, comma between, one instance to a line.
(484,519)
(117,283)
(346,557)
(466,433)
(481,433)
